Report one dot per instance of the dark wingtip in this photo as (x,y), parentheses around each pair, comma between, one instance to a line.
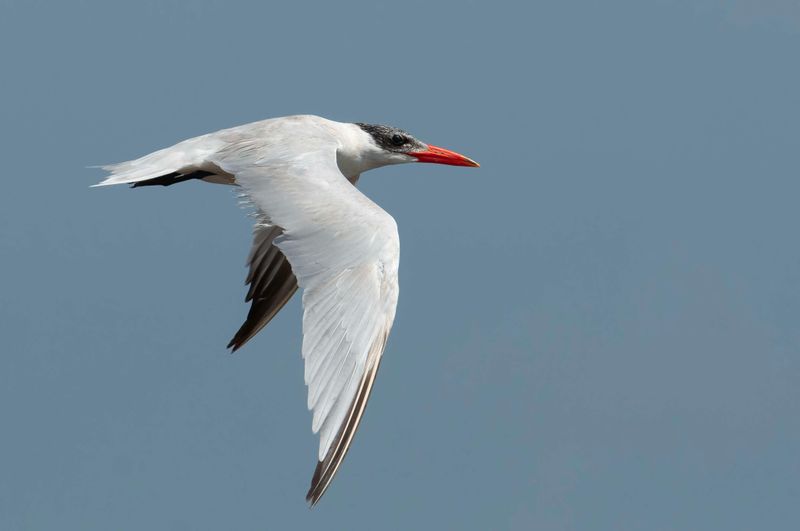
(240,338)
(237,342)
(262,310)
(314,492)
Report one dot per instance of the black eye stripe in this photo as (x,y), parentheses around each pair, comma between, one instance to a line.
(388,138)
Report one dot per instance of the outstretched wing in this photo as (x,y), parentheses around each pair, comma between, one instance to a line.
(344,251)
(272,283)
(271,280)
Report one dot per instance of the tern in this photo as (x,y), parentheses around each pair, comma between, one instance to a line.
(314,230)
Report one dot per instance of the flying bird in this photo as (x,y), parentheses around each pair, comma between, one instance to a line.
(314,230)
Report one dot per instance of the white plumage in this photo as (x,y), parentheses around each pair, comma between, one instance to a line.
(342,249)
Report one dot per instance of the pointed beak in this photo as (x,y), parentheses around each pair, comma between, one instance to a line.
(437,155)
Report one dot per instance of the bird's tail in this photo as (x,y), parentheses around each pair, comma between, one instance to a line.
(183,161)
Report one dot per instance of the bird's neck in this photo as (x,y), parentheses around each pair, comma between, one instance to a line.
(357,152)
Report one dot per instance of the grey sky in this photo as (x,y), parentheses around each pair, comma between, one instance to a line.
(598,329)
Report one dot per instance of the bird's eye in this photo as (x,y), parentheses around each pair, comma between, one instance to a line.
(398,140)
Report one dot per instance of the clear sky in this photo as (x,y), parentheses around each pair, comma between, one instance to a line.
(597,329)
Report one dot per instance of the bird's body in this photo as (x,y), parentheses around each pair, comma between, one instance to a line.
(316,231)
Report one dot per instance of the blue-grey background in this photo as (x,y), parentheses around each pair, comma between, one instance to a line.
(598,329)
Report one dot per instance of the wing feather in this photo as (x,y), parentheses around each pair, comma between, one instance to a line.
(343,251)
(272,284)
(327,467)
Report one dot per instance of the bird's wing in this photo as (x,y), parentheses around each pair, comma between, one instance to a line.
(272,283)
(344,251)
(271,280)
